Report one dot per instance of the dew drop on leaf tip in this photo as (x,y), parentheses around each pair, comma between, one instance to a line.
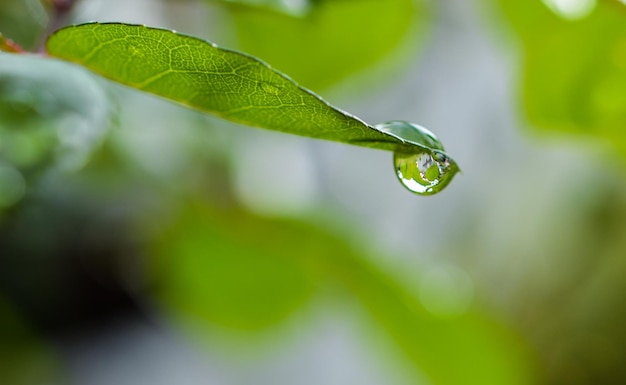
(424,173)
(427,170)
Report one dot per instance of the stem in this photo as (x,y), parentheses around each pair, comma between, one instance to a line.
(8,45)
(60,11)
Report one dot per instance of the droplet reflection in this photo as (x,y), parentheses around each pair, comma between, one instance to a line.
(426,171)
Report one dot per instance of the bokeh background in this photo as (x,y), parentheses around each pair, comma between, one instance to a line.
(144,243)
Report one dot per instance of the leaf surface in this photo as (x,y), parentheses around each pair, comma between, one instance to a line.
(220,265)
(201,75)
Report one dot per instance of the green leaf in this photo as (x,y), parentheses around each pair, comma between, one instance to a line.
(574,73)
(210,273)
(23,21)
(50,112)
(201,75)
(237,87)
(52,115)
(333,40)
(214,265)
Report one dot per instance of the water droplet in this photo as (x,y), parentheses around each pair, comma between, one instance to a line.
(411,132)
(427,170)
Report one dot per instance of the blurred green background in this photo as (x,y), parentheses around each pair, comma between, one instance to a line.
(143,243)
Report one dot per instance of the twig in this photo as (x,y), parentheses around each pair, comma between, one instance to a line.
(8,45)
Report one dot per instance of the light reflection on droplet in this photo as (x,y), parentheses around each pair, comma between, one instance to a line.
(428,169)
(423,173)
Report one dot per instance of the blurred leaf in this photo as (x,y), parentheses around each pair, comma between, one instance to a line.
(24,360)
(228,278)
(334,39)
(51,114)
(48,110)
(574,70)
(214,264)
(468,349)
(201,75)
(23,21)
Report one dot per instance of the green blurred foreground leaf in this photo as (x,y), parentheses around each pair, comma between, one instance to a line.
(238,270)
(228,280)
(201,75)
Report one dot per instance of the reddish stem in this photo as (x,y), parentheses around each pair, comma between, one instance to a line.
(8,45)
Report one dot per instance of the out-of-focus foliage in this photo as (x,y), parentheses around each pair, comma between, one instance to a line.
(332,40)
(574,65)
(574,314)
(50,114)
(73,245)
(219,266)
(23,21)
(238,270)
